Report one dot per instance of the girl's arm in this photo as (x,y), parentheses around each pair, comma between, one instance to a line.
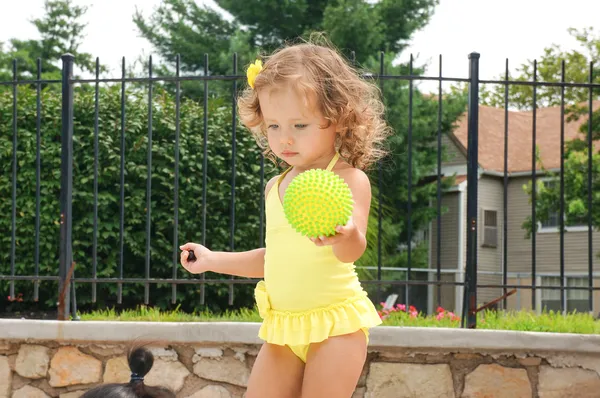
(249,264)
(350,242)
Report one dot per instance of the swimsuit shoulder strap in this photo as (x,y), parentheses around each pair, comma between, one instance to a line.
(333,161)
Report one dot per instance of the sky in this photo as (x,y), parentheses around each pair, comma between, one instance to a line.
(515,29)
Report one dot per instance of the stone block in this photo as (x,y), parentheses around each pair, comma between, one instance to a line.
(498,382)
(400,380)
(117,370)
(226,370)
(170,374)
(104,350)
(568,383)
(165,354)
(5,378)
(29,392)
(73,394)
(211,391)
(69,366)
(32,361)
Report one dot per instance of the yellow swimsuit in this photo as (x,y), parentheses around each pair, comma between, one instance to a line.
(307,294)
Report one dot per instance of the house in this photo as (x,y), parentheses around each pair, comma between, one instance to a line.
(491,215)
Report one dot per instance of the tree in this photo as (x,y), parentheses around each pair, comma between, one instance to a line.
(363,27)
(549,69)
(61,32)
(577,70)
(183,27)
(250,29)
(575,189)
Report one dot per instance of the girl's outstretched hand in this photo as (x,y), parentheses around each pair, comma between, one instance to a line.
(343,233)
(200,263)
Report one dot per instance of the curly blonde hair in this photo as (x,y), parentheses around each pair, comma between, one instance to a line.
(343,97)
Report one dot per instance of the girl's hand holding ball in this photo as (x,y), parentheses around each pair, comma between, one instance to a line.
(343,232)
(318,204)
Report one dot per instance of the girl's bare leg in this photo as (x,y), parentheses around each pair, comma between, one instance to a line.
(333,367)
(277,373)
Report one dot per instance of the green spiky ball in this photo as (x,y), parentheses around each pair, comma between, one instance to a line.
(316,202)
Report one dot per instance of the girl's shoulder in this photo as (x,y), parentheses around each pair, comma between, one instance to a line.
(270,184)
(350,173)
(357,180)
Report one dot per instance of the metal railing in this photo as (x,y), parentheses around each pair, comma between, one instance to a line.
(66,276)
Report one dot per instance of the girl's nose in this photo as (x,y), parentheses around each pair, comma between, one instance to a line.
(286,139)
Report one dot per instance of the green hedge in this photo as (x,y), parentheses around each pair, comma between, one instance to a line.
(248,191)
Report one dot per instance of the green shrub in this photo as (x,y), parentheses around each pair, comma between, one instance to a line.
(248,191)
(163,258)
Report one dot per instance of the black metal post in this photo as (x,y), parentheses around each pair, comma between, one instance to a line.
(472,177)
(505,194)
(438,230)
(409,186)
(233,164)
(66,187)
(149,184)
(15,164)
(563,302)
(204,174)
(380,195)
(590,198)
(177,178)
(534,192)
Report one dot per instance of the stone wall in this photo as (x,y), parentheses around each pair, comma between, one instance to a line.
(214,360)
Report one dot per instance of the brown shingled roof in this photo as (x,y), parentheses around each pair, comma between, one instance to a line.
(520,128)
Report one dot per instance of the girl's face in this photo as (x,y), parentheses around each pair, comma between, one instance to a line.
(297,131)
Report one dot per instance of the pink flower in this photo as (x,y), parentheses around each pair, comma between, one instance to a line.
(401,307)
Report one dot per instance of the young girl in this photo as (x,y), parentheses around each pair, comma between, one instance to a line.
(308,108)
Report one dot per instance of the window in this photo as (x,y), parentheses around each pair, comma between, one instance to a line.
(576,300)
(490,228)
(551,297)
(553,221)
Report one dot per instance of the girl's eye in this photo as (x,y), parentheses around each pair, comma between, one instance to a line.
(273,126)
(301,126)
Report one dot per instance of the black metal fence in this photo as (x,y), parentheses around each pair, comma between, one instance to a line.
(66,276)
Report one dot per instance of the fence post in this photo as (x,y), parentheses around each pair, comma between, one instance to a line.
(66,189)
(472,179)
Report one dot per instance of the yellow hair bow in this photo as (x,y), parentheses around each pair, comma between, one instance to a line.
(253,71)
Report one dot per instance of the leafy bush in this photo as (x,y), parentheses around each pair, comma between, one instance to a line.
(248,191)
(163,246)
